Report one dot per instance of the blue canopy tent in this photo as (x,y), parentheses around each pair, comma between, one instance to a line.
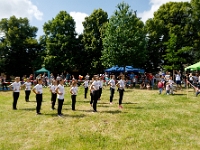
(127,69)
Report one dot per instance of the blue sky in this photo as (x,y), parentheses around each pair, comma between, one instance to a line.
(40,11)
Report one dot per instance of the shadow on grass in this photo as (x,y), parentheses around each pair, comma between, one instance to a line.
(29,109)
(114,111)
(65,115)
(83,101)
(128,103)
(178,94)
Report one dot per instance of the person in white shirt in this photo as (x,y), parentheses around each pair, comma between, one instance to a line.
(16,89)
(91,94)
(74,91)
(37,89)
(86,84)
(95,88)
(53,93)
(60,91)
(28,86)
(112,88)
(121,86)
(178,79)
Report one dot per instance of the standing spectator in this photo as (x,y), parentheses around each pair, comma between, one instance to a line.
(74,91)
(3,81)
(87,76)
(191,79)
(38,91)
(160,86)
(16,89)
(51,78)
(178,80)
(62,76)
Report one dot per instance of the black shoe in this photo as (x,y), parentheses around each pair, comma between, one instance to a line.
(14,108)
(38,113)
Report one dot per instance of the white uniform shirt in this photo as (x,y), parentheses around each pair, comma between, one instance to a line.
(28,86)
(16,86)
(100,83)
(95,85)
(86,83)
(112,83)
(38,88)
(74,90)
(61,90)
(53,88)
(121,84)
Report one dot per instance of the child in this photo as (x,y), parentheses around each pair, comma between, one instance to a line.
(16,89)
(86,84)
(73,91)
(112,88)
(60,91)
(95,87)
(167,88)
(53,93)
(160,86)
(91,94)
(121,86)
(27,85)
(148,86)
(134,81)
(38,91)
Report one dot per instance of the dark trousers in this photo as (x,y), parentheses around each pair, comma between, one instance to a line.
(86,90)
(95,98)
(100,92)
(39,102)
(27,94)
(91,98)
(60,104)
(121,93)
(73,97)
(112,92)
(15,98)
(53,100)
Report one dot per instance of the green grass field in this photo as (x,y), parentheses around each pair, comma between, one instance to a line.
(147,121)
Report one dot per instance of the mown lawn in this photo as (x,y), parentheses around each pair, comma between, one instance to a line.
(147,121)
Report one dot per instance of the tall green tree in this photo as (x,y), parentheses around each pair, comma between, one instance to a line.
(124,40)
(60,37)
(171,22)
(18,46)
(92,39)
(195,17)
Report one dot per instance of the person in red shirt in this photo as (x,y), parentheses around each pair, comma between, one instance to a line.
(160,86)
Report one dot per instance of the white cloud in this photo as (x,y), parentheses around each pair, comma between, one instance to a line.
(78,18)
(155,4)
(19,8)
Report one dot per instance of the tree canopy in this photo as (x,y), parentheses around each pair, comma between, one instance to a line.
(124,39)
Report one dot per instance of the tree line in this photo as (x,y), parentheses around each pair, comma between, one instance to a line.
(168,41)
